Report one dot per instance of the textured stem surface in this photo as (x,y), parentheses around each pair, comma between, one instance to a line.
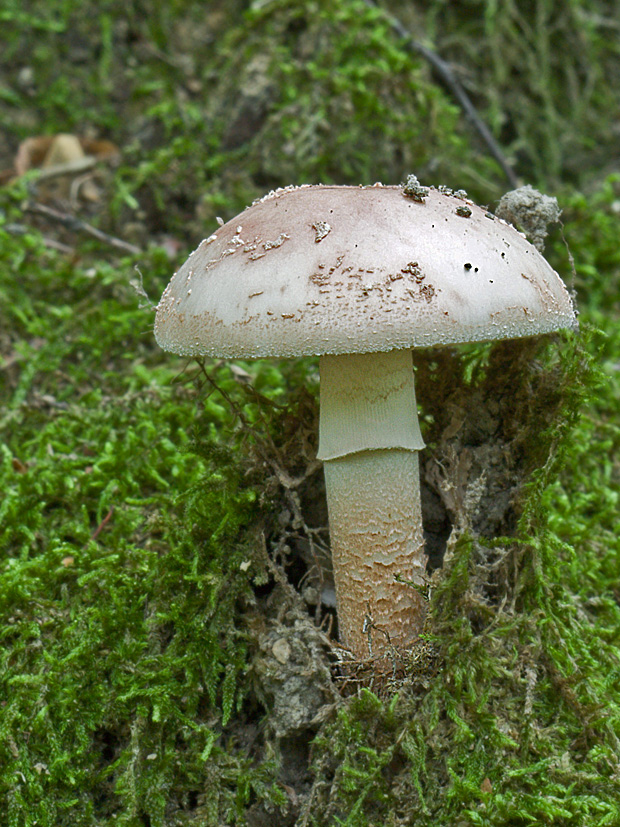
(376,534)
(369,439)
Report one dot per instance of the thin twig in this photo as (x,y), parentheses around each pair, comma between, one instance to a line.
(74,167)
(77,225)
(571,261)
(21,229)
(102,524)
(447,75)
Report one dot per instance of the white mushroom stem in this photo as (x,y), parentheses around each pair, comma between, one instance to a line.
(369,443)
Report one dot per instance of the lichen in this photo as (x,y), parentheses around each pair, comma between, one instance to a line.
(531,211)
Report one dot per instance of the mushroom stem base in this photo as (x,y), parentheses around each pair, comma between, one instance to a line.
(377,548)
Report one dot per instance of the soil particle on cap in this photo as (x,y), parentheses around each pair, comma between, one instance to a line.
(412,189)
(279,241)
(413,269)
(322,229)
(320,279)
(463,211)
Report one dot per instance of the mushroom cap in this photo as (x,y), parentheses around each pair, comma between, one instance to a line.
(316,270)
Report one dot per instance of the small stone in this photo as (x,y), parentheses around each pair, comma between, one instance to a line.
(310,595)
(281,650)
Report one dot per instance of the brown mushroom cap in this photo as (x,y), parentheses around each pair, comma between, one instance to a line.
(318,270)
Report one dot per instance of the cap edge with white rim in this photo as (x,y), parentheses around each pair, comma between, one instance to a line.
(320,270)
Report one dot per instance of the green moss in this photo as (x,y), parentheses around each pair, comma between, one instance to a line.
(137,504)
(121,655)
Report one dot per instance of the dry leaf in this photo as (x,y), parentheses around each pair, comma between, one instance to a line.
(55,151)
(31,153)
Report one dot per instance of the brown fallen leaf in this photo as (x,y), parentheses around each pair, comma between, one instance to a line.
(66,157)
(19,466)
(47,150)
(62,154)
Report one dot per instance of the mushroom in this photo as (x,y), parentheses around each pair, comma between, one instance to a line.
(359,276)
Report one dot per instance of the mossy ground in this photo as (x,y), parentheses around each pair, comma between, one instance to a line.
(157,534)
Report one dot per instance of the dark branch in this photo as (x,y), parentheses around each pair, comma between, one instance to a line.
(446,74)
(77,225)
